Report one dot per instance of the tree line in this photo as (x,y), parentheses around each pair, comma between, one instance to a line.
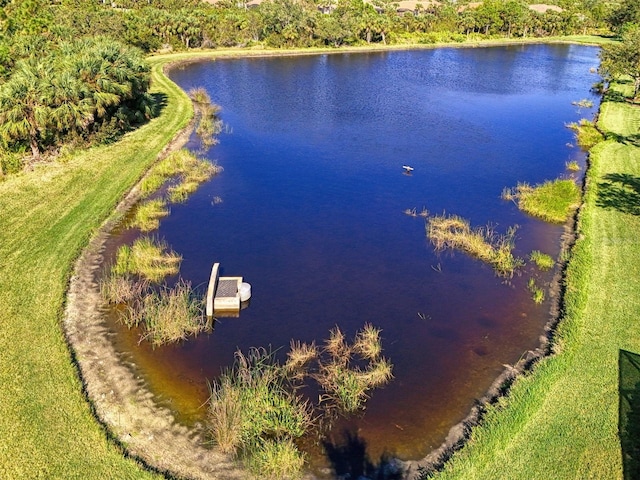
(73,71)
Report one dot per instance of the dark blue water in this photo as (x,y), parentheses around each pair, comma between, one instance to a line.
(313,194)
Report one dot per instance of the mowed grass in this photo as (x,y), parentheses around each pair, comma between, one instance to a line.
(46,217)
(561,422)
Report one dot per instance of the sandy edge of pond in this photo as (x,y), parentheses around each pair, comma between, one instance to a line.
(119,397)
(460,433)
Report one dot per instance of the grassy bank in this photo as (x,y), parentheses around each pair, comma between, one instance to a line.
(47,216)
(561,422)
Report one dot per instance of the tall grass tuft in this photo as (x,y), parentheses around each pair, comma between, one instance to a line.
(572,166)
(121,289)
(148,258)
(455,232)
(298,358)
(367,342)
(276,459)
(553,201)
(587,134)
(148,215)
(172,314)
(537,293)
(542,260)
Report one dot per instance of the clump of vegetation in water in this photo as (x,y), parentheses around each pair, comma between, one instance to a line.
(572,166)
(553,201)
(148,258)
(167,316)
(191,170)
(537,293)
(584,103)
(587,133)
(209,125)
(542,260)
(256,410)
(148,214)
(455,232)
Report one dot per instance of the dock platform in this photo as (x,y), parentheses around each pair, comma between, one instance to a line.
(223,293)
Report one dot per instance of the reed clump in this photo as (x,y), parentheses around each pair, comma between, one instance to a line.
(452,231)
(256,410)
(542,260)
(188,168)
(148,258)
(121,289)
(209,124)
(537,293)
(148,214)
(572,166)
(553,201)
(587,134)
(171,314)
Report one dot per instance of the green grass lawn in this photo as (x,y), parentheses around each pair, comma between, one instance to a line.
(561,422)
(47,216)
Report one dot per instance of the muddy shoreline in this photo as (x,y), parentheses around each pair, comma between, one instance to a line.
(150,433)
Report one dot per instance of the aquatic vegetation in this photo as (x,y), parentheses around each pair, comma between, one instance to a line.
(584,103)
(148,214)
(572,166)
(542,260)
(553,201)
(455,232)
(121,289)
(587,134)
(256,410)
(536,292)
(148,258)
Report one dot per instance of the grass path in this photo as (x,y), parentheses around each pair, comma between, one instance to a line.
(562,421)
(46,218)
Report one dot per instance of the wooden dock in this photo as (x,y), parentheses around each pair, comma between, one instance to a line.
(223,293)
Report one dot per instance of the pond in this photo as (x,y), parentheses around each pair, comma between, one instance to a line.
(309,210)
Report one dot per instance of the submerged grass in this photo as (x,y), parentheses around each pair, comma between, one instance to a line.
(452,231)
(542,260)
(553,201)
(537,293)
(532,433)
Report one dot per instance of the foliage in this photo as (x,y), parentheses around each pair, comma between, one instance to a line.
(587,134)
(72,93)
(455,232)
(552,201)
(147,215)
(619,60)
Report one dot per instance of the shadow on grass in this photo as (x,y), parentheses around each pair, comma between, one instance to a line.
(159,103)
(629,412)
(349,459)
(620,191)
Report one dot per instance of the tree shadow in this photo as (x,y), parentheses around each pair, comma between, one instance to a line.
(620,191)
(629,412)
(624,139)
(160,101)
(349,460)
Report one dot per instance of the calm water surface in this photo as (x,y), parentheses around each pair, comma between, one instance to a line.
(313,196)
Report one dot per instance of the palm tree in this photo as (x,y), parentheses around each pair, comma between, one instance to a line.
(25,104)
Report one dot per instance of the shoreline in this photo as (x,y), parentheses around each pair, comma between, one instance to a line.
(83,296)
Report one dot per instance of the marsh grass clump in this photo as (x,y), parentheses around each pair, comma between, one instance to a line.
(553,201)
(209,125)
(256,410)
(148,258)
(199,95)
(171,314)
(572,166)
(121,289)
(587,134)
(183,164)
(148,214)
(537,293)
(455,232)
(584,103)
(273,459)
(253,404)
(542,260)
